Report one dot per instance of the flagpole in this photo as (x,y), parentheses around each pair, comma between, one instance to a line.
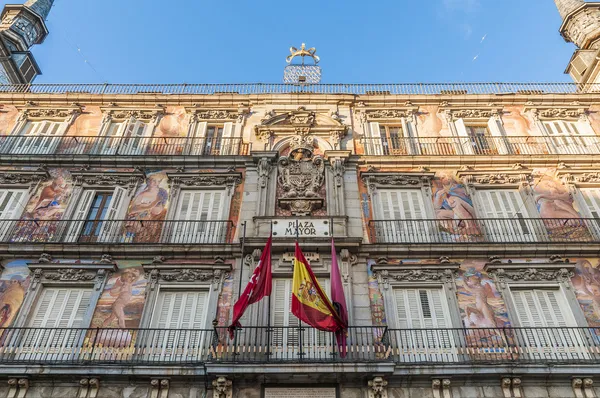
(242,262)
(299,321)
(269,309)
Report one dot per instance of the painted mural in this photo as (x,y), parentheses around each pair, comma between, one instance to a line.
(48,203)
(376,298)
(13,286)
(121,305)
(148,206)
(453,208)
(586,282)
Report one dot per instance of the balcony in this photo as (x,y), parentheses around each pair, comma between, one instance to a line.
(121,146)
(486,230)
(486,146)
(262,345)
(117,231)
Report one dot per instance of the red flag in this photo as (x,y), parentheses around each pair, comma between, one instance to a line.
(310,304)
(338,299)
(258,287)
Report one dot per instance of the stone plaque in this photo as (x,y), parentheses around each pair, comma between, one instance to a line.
(278,392)
(286,228)
(310,256)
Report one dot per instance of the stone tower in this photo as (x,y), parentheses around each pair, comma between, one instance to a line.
(581,26)
(21,26)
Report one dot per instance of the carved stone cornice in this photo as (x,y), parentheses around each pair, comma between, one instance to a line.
(205,179)
(573,111)
(148,114)
(470,112)
(579,176)
(301,122)
(400,179)
(108,178)
(444,272)
(71,273)
(530,272)
(172,273)
(60,113)
(388,114)
(24,177)
(515,176)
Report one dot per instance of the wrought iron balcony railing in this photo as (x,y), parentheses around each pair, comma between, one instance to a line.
(541,346)
(509,145)
(121,146)
(277,88)
(486,230)
(117,231)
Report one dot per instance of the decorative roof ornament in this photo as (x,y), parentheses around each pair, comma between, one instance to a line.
(302,73)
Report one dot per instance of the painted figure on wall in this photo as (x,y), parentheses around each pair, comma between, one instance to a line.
(587,288)
(122,289)
(13,285)
(149,204)
(453,206)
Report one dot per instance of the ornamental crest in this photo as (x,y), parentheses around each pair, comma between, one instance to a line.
(301,176)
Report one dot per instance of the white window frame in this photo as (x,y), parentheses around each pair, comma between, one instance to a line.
(374,143)
(230,139)
(122,142)
(495,127)
(7,221)
(565,135)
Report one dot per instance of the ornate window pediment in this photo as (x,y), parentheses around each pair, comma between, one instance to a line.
(148,114)
(302,122)
(516,176)
(579,176)
(158,272)
(387,114)
(470,111)
(408,179)
(128,180)
(530,272)
(205,179)
(70,273)
(572,111)
(59,114)
(443,272)
(218,114)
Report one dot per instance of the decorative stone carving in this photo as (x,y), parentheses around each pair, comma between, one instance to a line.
(63,114)
(453,113)
(264,168)
(148,114)
(109,179)
(156,272)
(51,272)
(471,177)
(338,167)
(203,180)
(45,258)
(564,112)
(186,275)
(216,114)
(442,272)
(378,388)
(386,114)
(345,255)
(373,179)
(70,275)
(301,176)
(24,177)
(527,272)
(583,178)
(222,388)
(441,388)
(158,260)
(106,259)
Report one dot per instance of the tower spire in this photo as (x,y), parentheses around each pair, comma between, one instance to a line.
(565,7)
(40,7)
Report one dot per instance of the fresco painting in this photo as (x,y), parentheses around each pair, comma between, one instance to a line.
(48,203)
(8,119)
(453,208)
(169,136)
(13,286)
(149,204)
(376,298)
(120,306)
(586,282)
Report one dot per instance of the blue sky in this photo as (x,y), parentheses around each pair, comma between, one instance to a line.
(385,41)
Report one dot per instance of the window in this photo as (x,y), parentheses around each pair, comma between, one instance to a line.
(58,323)
(38,138)
(505,216)
(199,217)
(28,70)
(98,216)
(477,137)
(547,323)
(481,139)
(401,216)
(129,137)
(393,140)
(12,203)
(286,327)
(569,137)
(213,140)
(423,320)
(179,320)
(390,139)
(591,197)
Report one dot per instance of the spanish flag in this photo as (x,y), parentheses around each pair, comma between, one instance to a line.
(310,304)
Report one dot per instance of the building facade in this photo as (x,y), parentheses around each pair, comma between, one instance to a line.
(466,220)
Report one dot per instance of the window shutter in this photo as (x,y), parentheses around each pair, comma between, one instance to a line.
(374,143)
(540,308)
(505,204)
(423,308)
(61,308)
(590,140)
(80,214)
(411,139)
(198,138)
(402,212)
(111,224)
(12,202)
(498,136)
(181,310)
(109,144)
(591,197)
(196,211)
(227,140)
(281,311)
(465,143)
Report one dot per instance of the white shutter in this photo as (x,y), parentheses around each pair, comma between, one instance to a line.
(196,211)
(111,225)
(198,138)
(541,308)
(374,143)
(591,197)
(590,141)
(465,141)
(506,214)
(80,214)
(422,308)
(409,132)
(12,203)
(281,312)
(110,142)
(61,308)
(402,212)
(136,139)
(499,139)
(227,143)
